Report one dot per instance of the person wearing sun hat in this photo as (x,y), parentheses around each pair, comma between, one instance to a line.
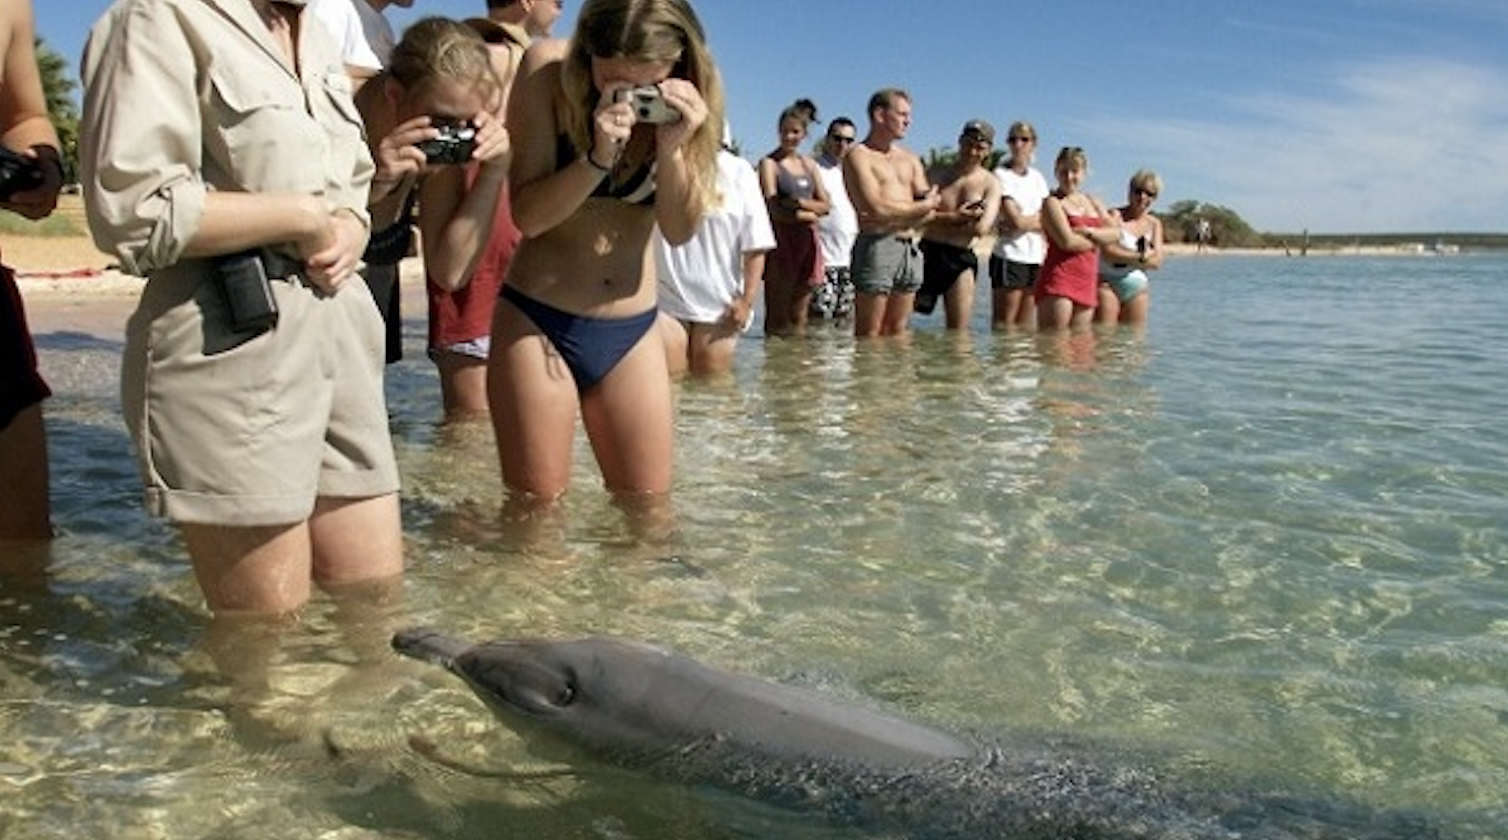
(968,201)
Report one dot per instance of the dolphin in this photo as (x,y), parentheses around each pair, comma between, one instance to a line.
(644,707)
(627,700)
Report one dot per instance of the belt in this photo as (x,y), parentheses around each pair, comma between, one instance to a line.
(283,268)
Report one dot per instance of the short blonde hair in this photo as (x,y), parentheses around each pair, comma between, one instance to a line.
(1146,179)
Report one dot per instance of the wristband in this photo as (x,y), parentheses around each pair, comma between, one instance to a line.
(590,161)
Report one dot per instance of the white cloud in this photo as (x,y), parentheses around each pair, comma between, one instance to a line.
(1401,145)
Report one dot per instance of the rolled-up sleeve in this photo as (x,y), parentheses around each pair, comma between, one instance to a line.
(182,98)
(140,142)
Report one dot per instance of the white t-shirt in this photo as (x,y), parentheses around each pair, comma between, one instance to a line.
(699,279)
(365,37)
(1028,191)
(840,227)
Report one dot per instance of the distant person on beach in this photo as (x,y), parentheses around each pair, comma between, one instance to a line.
(1020,246)
(968,202)
(33,174)
(1202,234)
(614,131)
(1076,225)
(837,229)
(710,283)
(1125,293)
(252,373)
(366,39)
(888,186)
(797,200)
(444,164)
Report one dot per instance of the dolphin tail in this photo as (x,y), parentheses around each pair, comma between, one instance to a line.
(429,644)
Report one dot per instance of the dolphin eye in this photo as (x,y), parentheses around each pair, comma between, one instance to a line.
(566,695)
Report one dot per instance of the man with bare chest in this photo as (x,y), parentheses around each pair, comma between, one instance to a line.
(889,190)
(968,202)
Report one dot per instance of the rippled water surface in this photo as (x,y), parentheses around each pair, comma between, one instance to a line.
(1267,536)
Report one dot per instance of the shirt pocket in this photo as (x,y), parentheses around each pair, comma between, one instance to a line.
(335,87)
(257,126)
(348,160)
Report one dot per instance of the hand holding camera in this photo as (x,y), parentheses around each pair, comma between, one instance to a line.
(18,173)
(29,184)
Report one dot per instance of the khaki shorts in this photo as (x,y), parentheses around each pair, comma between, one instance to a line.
(237,430)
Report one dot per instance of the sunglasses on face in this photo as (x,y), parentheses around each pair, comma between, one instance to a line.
(1018,139)
(839,138)
(1144,191)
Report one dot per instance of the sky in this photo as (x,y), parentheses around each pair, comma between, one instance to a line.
(1333,116)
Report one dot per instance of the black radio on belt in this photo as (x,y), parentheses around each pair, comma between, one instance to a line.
(243,283)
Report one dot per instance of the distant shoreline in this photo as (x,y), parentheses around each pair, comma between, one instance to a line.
(70,267)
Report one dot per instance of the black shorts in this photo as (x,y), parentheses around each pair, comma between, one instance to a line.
(21,385)
(942,265)
(1012,275)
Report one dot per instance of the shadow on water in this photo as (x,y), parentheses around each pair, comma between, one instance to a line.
(66,341)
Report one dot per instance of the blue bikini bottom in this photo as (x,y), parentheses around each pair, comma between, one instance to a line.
(590,347)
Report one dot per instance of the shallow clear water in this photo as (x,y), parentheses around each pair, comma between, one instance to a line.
(1267,536)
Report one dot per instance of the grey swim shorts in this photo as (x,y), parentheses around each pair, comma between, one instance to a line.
(884,264)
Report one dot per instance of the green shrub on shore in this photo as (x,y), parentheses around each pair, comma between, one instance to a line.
(56,225)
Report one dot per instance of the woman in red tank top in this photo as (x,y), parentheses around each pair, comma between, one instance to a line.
(1075,224)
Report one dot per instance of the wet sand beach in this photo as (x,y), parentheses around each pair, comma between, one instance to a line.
(70,286)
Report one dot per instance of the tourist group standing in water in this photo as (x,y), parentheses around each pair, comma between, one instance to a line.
(585,231)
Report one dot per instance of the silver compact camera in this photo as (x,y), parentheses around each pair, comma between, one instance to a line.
(649,106)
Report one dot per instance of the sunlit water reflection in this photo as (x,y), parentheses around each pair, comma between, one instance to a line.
(1267,536)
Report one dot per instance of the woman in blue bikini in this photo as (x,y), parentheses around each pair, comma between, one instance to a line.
(614,131)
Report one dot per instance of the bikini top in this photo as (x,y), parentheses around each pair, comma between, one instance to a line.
(791,185)
(637,188)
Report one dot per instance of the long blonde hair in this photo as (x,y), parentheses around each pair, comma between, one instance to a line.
(647,30)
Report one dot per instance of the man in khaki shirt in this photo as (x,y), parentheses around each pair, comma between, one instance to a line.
(225,128)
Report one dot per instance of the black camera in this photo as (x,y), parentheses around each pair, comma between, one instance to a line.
(456,143)
(18,173)
(243,283)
